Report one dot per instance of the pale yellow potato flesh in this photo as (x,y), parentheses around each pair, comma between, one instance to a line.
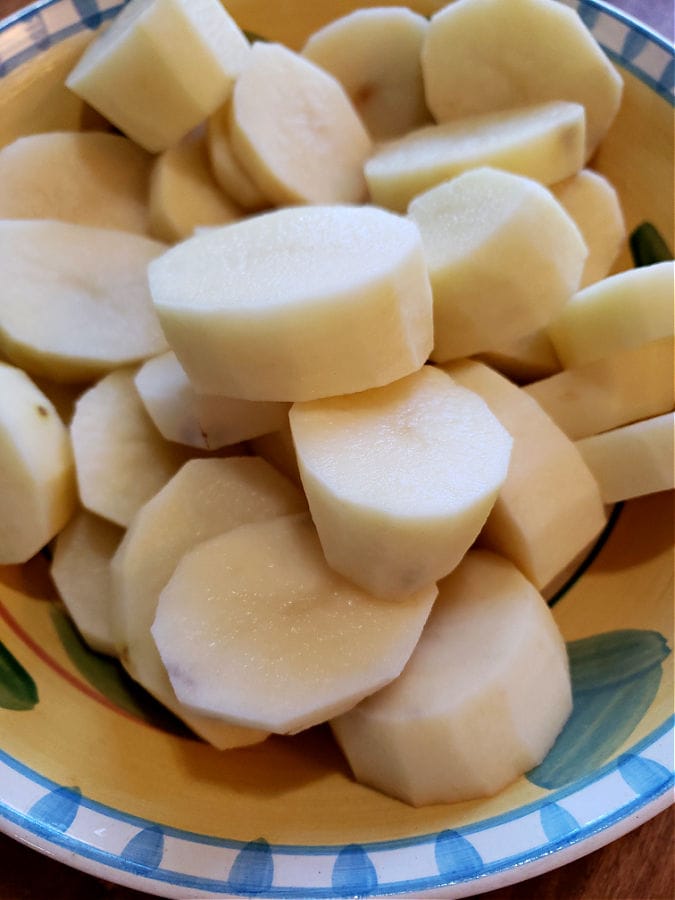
(80,570)
(481,700)
(484,55)
(549,508)
(544,142)
(229,174)
(483,294)
(74,299)
(594,205)
(254,626)
(278,448)
(617,313)
(37,479)
(400,479)
(250,327)
(633,460)
(207,497)
(295,132)
(184,194)
(161,68)
(524,360)
(375,55)
(121,459)
(88,178)
(618,389)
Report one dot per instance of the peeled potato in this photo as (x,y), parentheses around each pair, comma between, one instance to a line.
(295,132)
(394,530)
(375,55)
(227,171)
(485,55)
(481,700)
(37,483)
(161,68)
(253,626)
(121,458)
(544,142)
(88,178)
(297,303)
(483,294)
(74,300)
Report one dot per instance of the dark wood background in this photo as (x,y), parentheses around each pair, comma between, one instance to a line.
(639,866)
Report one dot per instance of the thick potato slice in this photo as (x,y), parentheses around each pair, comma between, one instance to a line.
(120,457)
(297,303)
(483,294)
(617,313)
(400,479)
(525,359)
(184,193)
(633,460)
(228,173)
(81,572)
(481,700)
(295,132)
(255,627)
(207,497)
(375,55)
(594,205)
(37,480)
(74,300)
(549,508)
(484,55)
(201,420)
(161,68)
(618,389)
(278,448)
(543,142)
(87,178)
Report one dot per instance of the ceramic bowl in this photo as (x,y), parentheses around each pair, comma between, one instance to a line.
(93,773)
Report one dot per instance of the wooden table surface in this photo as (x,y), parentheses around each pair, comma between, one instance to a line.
(639,866)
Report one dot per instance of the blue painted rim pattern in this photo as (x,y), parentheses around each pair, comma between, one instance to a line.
(563,818)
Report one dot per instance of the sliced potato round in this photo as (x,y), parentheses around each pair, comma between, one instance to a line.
(74,300)
(255,627)
(37,480)
(229,174)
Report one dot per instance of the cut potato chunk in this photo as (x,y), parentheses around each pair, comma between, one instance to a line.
(375,55)
(298,303)
(633,460)
(74,300)
(161,68)
(121,458)
(295,132)
(594,205)
(255,627)
(484,55)
(201,420)
(229,174)
(278,448)
(620,312)
(526,359)
(543,142)
(37,481)
(394,530)
(88,178)
(621,388)
(549,508)
(481,700)
(184,193)
(483,294)
(81,572)
(207,497)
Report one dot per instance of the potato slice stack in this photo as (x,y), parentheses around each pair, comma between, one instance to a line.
(362,259)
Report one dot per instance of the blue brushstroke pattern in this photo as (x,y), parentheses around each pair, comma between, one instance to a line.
(253,868)
(89,12)
(557,822)
(644,776)
(58,808)
(615,677)
(634,43)
(146,848)
(456,858)
(353,871)
(589,15)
